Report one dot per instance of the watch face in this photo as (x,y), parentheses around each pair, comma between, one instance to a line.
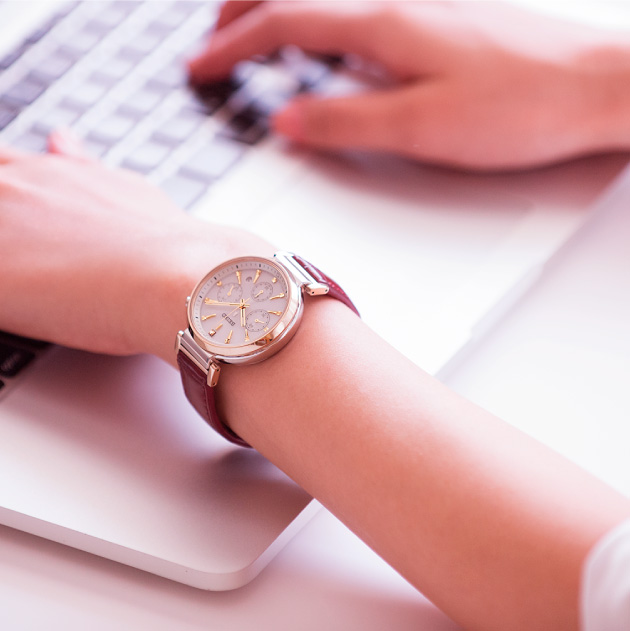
(242,305)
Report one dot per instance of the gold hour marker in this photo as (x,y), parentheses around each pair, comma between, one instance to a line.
(274,280)
(207,317)
(257,276)
(219,283)
(275,312)
(238,276)
(211,332)
(229,337)
(246,335)
(266,329)
(275,297)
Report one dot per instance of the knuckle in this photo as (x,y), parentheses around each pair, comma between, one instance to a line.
(383,22)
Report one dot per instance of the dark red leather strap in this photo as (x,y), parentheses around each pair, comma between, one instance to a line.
(201,395)
(335,291)
(195,381)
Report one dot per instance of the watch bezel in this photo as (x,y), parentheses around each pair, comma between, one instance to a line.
(263,347)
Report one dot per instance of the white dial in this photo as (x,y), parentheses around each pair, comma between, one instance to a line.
(230,292)
(240,303)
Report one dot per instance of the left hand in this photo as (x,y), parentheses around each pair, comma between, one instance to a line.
(97,258)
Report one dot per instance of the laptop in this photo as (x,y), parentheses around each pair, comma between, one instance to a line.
(104,454)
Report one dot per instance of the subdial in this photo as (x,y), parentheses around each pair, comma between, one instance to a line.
(257,320)
(262,291)
(231,292)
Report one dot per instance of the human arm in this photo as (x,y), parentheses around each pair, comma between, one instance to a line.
(485,521)
(479,85)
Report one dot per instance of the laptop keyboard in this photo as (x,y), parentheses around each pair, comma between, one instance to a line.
(16,353)
(114,72)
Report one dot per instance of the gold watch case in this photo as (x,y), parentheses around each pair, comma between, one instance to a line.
(262,348)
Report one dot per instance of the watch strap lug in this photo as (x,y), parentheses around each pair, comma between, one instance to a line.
(214,371)
(313,281)
(187,345)
(316,289)
(299,273)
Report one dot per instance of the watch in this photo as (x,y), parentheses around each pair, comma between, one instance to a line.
(243,312)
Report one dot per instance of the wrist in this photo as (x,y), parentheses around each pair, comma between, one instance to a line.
(166,278)
(245,311)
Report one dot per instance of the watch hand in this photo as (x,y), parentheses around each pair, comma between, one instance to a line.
(262,291)
(229,293)
(210,301)
(239,305)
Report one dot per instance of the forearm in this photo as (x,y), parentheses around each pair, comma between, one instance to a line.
(486,522)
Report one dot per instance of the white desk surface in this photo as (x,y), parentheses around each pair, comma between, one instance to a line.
(556,366)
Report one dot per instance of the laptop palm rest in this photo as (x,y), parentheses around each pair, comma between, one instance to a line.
(106,455)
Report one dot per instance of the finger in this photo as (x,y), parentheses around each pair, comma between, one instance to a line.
(389,120)
(232,10)
(316,27)
(65,142)
(10,154)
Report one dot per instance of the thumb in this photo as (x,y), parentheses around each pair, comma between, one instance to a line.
(370,120)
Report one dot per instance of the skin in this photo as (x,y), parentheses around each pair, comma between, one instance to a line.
(469,86)
(488,523)
(81,241)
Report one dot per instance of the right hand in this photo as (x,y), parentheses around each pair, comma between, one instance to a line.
(478,85)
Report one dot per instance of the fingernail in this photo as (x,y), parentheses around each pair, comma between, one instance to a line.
(64,140)
(192,65)
(290,121)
